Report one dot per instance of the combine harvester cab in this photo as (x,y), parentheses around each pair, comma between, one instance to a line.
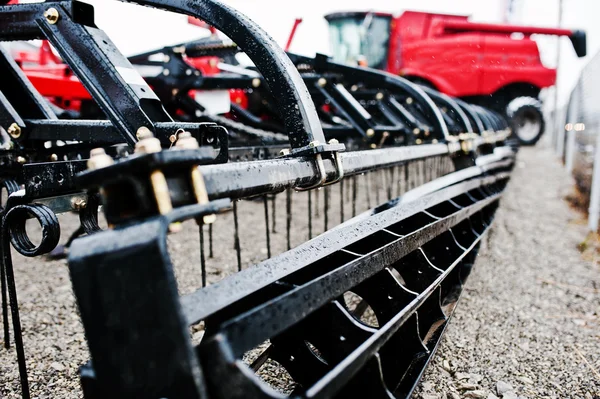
(493,65)
(356,311)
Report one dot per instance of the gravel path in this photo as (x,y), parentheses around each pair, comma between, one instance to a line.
(527,324)
(510,326)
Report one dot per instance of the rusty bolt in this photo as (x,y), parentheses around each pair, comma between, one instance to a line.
(52,15)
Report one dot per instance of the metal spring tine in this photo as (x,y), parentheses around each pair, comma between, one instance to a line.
(236,237)
(202,257)
(317,213)
(390,185)
(353,196)
(274,206)
(406,176)
(266,203)
(14,308)
(325,208)
(210,241)
(377,181)
(310,214)
(289,216)
(342,201)
(368,190)
(5,308)
(348,193)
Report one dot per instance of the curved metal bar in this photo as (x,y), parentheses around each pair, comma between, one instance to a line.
(469,111)
(385,79)
(289,90)
(462,118)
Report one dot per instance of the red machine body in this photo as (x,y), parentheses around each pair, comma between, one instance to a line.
(456,56)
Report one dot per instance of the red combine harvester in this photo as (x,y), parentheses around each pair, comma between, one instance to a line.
(497,66)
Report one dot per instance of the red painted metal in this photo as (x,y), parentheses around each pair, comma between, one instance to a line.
(297,22)
(462,58)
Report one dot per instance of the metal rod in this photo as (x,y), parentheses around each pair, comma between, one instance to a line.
(325,208)
(353,196)
(342,201)
(5,308)
(309,214)
(288,226)
(368,190)
(236,237)
(266,203)
(274,206)
(14,307)
(210,241)
(202,258)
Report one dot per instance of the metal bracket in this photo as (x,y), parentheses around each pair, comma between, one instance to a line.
(316,149)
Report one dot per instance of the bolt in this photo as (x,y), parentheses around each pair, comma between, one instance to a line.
(416,130)
(172,138)
(370,132)
(166,72)
(186,141)
(333,141)
(99,159)
(409,100)
(322,82)
(52,15)
(78,203)
(21,160)
(54,157)
(14,130)
(255,82)
(313,144)
(379,96)
(418,141)
(284,152)
(143,132)
(353,88)
(373,145)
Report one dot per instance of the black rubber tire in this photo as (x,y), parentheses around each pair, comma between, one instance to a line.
(526,119)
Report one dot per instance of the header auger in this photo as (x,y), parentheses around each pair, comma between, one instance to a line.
(409,181)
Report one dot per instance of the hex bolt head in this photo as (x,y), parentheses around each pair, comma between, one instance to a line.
(52,15)
(14,130)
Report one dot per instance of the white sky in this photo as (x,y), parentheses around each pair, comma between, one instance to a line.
(136,29)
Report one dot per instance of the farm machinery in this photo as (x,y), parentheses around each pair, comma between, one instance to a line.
(494,65)
(388,188)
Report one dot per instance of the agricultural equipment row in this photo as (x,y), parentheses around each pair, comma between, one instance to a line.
(184,133)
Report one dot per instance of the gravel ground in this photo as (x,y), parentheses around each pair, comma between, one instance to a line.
(527,323)
(529,331)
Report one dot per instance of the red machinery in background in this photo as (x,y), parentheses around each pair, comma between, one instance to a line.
(497,66)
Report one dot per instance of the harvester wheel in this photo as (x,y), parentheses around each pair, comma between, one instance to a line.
(526,119)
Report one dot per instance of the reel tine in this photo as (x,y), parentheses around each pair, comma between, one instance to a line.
(325,208)
(210,241)
(288,225)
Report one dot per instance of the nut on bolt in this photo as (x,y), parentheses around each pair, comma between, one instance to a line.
(52,15)
(148,144)
(99,159)
(78,203)
(185,141)
(14,130)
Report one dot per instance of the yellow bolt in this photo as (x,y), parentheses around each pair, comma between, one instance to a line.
(52,15)
(14,130)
